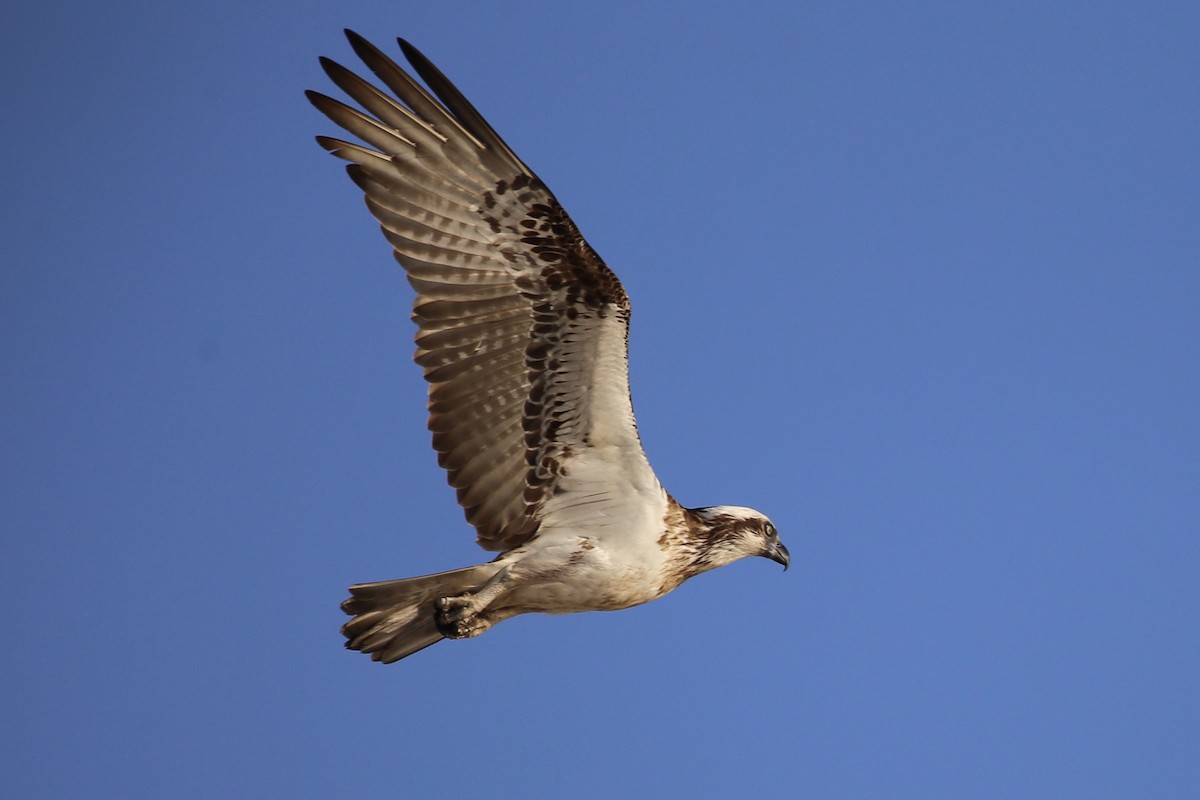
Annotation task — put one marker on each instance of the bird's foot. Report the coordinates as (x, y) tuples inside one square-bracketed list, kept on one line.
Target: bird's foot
[(458, 607), (459, 617)]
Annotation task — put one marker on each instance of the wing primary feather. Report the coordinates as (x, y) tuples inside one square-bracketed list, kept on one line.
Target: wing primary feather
[(399, 82), (462, 109), (408, 90), (385, 108)]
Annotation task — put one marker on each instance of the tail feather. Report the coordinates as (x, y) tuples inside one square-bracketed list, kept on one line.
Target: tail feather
[(394, 619)]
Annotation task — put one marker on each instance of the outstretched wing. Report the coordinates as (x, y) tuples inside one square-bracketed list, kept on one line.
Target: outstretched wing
[(522, 329)]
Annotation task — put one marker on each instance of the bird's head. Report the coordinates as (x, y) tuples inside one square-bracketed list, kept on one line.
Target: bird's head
[(733, 532)]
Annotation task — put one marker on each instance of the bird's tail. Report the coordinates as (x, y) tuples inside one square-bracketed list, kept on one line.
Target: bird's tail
[(394, 619)]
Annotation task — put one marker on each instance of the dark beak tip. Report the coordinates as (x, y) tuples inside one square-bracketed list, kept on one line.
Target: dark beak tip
[(780, 555)]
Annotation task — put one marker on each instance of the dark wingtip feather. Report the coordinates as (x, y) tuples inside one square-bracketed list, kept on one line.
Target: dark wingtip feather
[(329, 143), (323, 102), (329, 65), (413, 55), (362, 48)]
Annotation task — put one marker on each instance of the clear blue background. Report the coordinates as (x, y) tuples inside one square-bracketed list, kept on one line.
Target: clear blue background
[(920, 281)]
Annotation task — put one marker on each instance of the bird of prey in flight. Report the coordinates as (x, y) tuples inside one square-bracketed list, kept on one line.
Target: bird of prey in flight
[(522, 335)]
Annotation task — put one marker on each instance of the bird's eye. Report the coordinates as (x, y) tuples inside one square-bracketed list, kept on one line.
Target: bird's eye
[(770, 529)]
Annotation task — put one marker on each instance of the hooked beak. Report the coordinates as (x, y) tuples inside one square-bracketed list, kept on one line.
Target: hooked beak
[(779, 554)]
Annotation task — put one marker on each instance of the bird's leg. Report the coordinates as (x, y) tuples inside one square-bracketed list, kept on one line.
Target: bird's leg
[(461, 616)]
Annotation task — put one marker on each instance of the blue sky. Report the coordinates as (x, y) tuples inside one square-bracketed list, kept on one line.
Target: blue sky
[(917, 280)]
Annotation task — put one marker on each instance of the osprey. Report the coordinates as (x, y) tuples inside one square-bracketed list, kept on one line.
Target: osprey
[(522, 336)]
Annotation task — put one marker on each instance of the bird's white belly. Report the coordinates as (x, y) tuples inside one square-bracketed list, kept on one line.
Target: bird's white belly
[(582, 575)]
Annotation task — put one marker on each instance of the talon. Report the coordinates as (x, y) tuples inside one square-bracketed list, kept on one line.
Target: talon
[(461, 628), (455, 609)]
